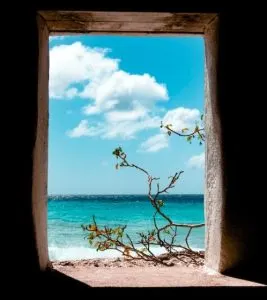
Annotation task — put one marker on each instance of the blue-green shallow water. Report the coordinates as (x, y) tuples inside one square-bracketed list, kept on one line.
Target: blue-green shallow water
[(67, 213)]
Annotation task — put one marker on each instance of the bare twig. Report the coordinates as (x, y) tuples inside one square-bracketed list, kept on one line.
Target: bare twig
[(187, 236), (112, 238), (197, 131)]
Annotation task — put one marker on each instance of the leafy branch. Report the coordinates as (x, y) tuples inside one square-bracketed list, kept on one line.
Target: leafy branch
[(198, 132), (163, 236)]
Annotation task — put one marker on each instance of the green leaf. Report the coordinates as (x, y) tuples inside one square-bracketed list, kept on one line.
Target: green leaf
[(120, 233), (91, 236), (201, 117), (160, 203), (143, 249), (184, 129), (92, 227), (117, 151)]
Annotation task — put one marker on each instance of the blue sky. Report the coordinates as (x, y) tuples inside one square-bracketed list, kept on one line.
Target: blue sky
[(109, 91)]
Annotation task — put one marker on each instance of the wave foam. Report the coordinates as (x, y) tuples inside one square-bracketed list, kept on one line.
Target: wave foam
[(76, 253)]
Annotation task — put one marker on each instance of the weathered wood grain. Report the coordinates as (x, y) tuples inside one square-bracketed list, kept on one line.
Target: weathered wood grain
[(126, 22)]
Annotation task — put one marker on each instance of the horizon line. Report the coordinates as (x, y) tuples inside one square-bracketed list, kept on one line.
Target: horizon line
[(70, 194)]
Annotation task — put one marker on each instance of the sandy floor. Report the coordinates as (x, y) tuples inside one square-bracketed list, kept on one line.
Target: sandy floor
[(118, 273)]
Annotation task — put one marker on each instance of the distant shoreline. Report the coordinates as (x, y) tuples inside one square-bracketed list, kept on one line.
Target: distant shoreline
[(66, 214), (83, 195), (121, 261)]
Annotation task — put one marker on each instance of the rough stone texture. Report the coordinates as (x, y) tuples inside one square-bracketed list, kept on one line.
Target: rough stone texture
[(234, 195), (214, 196), (40, 151), (127, 274)]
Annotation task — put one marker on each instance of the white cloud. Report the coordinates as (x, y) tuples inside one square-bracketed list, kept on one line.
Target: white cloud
[(83, 129), (122, 90), (128, 129), (56, 37), (111, 129), (124, 115), (125, 124), (70, 93), (181, 118), (155, 143), (100, 80), (77, 64), (91, 110), (125, 101), (197, 161)]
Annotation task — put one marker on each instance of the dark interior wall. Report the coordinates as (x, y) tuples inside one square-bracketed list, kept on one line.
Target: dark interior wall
[(241, 56), (240, 106), (234, 215), (25, 59)]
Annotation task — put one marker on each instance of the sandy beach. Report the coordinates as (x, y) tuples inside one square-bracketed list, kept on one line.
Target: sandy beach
[(119, 272)]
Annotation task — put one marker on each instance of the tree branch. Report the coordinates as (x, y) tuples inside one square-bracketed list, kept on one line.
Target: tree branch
[(112, 238)]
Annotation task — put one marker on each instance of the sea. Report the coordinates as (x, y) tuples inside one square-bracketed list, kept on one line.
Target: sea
[(66, 214)]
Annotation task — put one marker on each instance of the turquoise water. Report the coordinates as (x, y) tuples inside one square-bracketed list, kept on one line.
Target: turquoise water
[(67, 213)]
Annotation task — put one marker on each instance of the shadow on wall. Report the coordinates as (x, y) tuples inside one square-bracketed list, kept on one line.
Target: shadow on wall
[(50, 282), (249, 272)]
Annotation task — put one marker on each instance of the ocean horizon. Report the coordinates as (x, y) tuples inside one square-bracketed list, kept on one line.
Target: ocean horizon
[(66, 214)]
